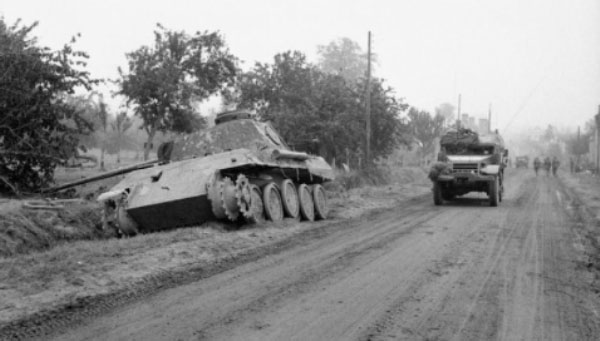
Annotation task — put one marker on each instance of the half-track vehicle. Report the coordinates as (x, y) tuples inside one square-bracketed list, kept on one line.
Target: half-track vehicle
[(469, 162), (522, 161), (238, 170)]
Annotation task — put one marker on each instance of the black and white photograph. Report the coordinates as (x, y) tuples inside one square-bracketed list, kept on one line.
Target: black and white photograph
[(300, 170)]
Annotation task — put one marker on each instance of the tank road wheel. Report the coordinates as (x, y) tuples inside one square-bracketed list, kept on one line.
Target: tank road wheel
[(494, 192), (272, 202), (257, 208), (307, 205), (291, 203), (214, 188), (243, 194), (437, 194), (320, 199), (229, 199)]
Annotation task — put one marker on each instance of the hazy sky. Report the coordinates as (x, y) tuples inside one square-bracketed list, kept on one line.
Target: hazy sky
[(537, 62)]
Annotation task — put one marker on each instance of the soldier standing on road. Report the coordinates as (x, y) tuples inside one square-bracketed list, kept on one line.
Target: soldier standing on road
[(537, 163), (571, 164), (555, 165), (547, 165)]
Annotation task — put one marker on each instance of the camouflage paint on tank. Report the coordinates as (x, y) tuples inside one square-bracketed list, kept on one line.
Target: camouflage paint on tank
[(178, 193)]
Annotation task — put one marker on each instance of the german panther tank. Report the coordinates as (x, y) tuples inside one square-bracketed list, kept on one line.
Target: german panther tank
[(239, 170)]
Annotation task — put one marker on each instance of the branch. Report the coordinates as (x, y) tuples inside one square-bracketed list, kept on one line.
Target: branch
[(10, 185), (47, 156)]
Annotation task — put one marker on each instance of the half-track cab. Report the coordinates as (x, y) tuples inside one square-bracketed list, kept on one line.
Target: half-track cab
[(469, 162)]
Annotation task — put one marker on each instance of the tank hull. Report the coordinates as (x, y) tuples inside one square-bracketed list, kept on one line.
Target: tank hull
[(170, 214)]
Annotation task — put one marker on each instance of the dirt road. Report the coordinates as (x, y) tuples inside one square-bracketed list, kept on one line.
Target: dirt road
[(462, 271)]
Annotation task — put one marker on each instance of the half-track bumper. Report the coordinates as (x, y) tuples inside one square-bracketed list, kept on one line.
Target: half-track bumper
[(465, 178)]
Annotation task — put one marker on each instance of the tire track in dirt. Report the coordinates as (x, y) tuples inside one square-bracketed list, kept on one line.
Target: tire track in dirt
[(538, 251), (344, 304), (429, 307), (521, 281), (516, 281)]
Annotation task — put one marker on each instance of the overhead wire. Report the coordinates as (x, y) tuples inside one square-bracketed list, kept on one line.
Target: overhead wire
[(531, 93)]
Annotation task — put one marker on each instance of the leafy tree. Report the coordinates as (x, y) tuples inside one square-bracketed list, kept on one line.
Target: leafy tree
[(388, 129), (93, 108), (119, 126), (320, 112), (39, 129), (344, 57), (102, 116), (166, 80), (282, 93), (578, 145), (425, 129), (85, 106), (549, 134)]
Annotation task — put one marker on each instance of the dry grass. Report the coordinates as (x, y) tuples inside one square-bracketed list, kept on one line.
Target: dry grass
[(378, 175), (23, 230), (587, 187)]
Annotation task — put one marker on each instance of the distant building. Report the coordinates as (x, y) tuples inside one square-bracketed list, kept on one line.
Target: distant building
[(464, 120), (483, 126), (480, 125)]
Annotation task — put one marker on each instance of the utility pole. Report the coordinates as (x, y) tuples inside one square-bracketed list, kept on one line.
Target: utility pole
[(579, 149), (597, 117), (368, 103), (490, 118), (458, 118)]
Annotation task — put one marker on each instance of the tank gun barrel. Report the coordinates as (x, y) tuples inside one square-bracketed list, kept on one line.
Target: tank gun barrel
[(288, 154), (105, 175)]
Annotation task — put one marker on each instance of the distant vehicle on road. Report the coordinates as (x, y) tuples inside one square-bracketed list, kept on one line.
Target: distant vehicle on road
[(469, 162), (522, 161)]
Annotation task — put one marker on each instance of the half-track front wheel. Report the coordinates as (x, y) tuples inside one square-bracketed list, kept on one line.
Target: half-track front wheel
[(257, 207), (291, 202), (272, 202), (307, 205), (501, 190), (494, 192), (438, 198), (320, 199)]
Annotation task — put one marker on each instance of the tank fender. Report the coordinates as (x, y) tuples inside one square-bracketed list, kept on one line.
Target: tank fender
[(490, 169)]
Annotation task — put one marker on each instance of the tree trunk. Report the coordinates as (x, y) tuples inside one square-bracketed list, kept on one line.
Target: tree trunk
[(119, 148), (102, 158), (148, 146)]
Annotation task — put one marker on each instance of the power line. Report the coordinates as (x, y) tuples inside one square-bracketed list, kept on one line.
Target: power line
[(368, 103), (531, 93)]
